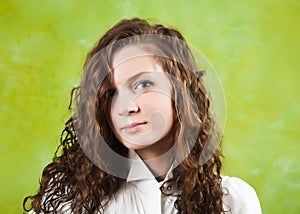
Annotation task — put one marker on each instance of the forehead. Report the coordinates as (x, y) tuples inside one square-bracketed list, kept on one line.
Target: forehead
[(131, 61)]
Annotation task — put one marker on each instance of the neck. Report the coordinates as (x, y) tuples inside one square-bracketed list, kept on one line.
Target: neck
[(158, 157)]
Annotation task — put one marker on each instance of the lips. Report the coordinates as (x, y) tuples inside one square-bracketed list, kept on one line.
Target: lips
[(132, 125)]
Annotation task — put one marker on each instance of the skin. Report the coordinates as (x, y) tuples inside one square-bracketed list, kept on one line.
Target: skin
[(141, 109)]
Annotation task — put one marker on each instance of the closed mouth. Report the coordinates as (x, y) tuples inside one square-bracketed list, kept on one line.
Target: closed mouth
[(132, 125)]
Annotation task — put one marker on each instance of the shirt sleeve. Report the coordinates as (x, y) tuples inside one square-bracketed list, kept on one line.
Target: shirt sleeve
[(239, 197)]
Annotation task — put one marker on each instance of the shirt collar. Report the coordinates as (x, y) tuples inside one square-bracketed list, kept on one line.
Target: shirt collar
[(139, 171)]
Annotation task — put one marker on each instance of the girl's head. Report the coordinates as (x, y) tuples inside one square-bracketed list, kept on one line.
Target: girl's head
[(141, 90)]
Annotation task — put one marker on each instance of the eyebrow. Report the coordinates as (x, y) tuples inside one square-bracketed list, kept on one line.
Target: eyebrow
[(136, 76)]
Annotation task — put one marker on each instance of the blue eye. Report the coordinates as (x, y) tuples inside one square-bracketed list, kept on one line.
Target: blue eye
[(143, 85)]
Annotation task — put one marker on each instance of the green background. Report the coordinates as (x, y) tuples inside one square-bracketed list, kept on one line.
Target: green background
[(253, 46)]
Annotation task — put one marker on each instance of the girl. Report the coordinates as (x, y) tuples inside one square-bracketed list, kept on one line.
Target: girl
[(141, 138)]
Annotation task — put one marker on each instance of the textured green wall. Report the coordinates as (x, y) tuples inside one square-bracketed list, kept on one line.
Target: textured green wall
[(253, 45)]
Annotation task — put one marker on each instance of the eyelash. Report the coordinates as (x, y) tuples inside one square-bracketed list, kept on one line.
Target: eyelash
[(143, 82), (113, 92)]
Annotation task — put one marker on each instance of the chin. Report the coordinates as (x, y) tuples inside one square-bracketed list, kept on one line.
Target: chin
[(135, 146)]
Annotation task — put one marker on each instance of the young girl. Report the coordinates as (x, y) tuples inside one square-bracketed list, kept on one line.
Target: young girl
[(141, 138)]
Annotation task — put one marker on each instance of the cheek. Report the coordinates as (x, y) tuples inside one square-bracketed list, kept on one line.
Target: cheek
[(156, 102), (112, 114)]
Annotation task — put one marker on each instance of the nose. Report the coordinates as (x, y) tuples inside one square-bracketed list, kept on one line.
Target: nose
[(126, 104), (126, 110)]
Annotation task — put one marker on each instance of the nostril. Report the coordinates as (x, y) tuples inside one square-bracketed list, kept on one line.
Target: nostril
[(133, 109)]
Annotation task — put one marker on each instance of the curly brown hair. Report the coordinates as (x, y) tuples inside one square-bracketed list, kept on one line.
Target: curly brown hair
[(73, 180)]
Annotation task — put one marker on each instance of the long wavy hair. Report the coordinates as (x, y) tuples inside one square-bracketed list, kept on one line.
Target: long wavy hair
[(73, 181)]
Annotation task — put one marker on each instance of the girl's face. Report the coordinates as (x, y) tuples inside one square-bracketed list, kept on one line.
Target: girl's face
[(141, 109)]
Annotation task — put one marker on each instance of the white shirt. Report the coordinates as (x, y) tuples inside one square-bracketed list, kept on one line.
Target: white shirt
[(143, 195)]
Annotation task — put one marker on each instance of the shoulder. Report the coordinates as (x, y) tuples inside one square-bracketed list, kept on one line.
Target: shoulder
[(239, 196)]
